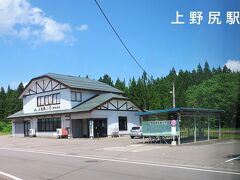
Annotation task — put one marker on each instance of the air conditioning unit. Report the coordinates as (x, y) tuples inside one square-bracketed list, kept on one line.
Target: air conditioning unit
[(62, 133), (32, 132)]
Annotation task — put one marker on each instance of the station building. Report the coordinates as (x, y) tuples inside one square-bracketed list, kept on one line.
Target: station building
[(54, 101)]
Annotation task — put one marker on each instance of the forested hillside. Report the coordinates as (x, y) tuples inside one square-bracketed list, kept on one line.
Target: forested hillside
[(203, 87)]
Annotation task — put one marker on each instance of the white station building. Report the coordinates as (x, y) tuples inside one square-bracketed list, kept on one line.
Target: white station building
[(55, 101)]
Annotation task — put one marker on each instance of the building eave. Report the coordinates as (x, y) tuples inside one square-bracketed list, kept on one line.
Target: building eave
[(108, 97), (117, 91)]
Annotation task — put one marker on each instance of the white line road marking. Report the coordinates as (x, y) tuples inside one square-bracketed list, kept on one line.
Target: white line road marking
[(156, 164), (9, 175), (233, 159), (130, 148)]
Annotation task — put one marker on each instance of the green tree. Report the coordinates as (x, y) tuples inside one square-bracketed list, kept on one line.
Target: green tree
[(199, 69), (2, 103), (219, 92), (121, 85), (20, 88), (226, 69), (9, 104), (207, 71), (133, 92), (106, 79)]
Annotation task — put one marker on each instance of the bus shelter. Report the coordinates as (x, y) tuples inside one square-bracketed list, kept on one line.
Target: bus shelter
[(183, 124)]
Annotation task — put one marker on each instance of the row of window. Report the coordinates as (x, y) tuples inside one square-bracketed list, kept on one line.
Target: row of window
[(76, 96), (53, 99), (46, 100), (49, 124)]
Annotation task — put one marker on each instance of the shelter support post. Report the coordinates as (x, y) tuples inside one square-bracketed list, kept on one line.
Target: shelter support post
[(70, 119), (208, 128), (195, 129), (219, 128), (179, 136)]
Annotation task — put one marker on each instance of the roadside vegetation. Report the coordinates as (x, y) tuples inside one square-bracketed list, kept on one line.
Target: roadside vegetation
[(216, 88), (9, 104), (226, 133), (4, 133)]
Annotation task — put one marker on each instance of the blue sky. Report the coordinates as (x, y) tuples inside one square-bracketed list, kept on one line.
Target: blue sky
[(72, 37)]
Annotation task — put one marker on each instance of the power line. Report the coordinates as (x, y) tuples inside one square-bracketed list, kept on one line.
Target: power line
[(120, 39)]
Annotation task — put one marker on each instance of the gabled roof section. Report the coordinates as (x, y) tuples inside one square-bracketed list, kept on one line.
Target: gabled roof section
[(86, 106), (75, 82), (83, 83), (97, 101)]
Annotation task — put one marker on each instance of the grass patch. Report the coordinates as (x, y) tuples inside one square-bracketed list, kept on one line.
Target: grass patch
[(226, 129), (4, 133), (231, 136), (5, 127), (226, 133)]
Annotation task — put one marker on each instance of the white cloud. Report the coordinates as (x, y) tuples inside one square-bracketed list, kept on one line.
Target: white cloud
[(234, 65), (82, 27), (25, 32), (19, 19)]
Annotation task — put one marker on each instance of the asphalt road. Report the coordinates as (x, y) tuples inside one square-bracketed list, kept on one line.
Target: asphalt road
[(115, 159)]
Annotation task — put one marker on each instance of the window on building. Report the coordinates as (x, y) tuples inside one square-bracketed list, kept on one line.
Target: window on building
[(58, 98), (54, 98), (49, 124), (122, 121), (38, 101), (48, 100), (48, 121), (42, 101), (73, 96), (76, 96)]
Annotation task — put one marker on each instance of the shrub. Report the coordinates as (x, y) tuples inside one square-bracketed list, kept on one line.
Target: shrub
[(5, 126)]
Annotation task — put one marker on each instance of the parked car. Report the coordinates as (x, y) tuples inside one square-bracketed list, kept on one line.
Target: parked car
[(136, 131)]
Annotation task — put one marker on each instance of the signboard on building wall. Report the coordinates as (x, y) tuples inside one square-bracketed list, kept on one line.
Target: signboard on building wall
[(160, 128), (47, 108)]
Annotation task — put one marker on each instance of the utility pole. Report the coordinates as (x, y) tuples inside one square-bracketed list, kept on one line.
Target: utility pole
[(174, 105), (173, 93)]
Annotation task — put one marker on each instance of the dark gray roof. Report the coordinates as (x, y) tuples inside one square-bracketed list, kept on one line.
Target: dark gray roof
[(86, 106), (180, 109), (97, 101), (83, 83)]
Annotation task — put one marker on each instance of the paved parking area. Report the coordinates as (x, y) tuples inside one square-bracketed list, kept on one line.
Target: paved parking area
[(117, 158)]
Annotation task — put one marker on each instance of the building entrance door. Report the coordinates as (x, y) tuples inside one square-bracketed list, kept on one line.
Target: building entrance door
[(77, 128), (26, 128), (99, 127)]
